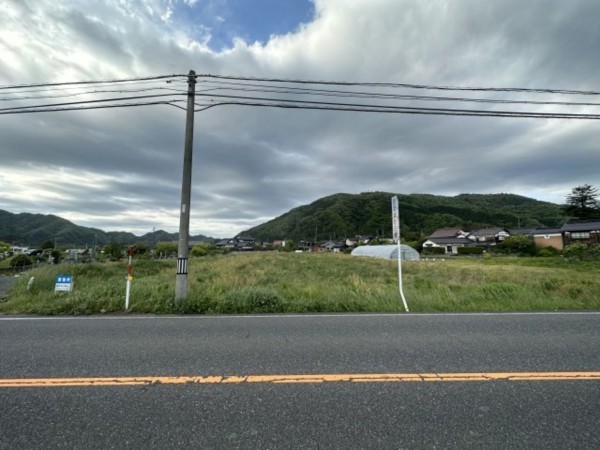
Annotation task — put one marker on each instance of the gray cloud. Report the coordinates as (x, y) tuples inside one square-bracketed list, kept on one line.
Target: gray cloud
[(121, 168)]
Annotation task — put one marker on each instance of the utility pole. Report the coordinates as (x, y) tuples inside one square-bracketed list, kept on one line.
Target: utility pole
[(186, 188)]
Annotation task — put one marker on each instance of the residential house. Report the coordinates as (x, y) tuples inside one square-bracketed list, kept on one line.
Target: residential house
[(327, 246), (489, 236), (585, 231), (333, 246), (241, 243), (548, 237), (450, 244), (351, 242), (19, 250), (521, 231), (450, 239), (449, 233), (225, 243)]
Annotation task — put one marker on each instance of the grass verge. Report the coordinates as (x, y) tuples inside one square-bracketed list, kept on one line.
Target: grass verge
[(280, 283)]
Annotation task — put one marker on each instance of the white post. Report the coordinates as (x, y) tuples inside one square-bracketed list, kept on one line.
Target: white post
[(129, 278), (396, 236)]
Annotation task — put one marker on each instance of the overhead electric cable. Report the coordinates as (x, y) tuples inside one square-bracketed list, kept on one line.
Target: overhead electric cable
[(223, 90), (381, 96), (78, 108), (97, 91), (405, 110), (75, 83), (448, 111), (399, 85), (138, 97)]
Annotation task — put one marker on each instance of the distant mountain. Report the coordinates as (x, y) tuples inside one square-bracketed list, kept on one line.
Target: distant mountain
[(34, 229), (348, 215), (332, 217)]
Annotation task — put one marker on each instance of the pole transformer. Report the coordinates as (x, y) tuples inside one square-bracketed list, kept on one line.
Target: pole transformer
[(181, 278)]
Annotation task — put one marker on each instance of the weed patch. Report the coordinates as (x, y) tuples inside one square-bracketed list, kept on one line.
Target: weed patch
[(298, 283)]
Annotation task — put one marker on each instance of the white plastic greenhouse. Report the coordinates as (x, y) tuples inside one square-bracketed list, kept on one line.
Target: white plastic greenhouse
[(387, 252)]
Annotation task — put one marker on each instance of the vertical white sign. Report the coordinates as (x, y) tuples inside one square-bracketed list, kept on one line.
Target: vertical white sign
[(396, 236), (395, 220)]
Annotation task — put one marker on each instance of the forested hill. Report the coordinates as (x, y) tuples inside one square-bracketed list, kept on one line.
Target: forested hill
[(34, 229), (342, 215), (335, 216)]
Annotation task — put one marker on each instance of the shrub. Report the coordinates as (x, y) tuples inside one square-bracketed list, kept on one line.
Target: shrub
[(20, 261), (56, 256), (166, 249), (202, 249), (548, 252), (114, 250), (517, 245), (470, 250), (434, 250), (580, 252)]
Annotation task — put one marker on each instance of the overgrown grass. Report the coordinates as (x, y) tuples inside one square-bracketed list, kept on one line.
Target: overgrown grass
[(278, 282)]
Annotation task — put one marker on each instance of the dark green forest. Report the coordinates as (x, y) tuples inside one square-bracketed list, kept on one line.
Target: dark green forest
[(34, 229), (333, 217), (347, 215)]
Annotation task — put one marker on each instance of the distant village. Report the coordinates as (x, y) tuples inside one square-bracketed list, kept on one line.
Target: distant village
[(447, 241)]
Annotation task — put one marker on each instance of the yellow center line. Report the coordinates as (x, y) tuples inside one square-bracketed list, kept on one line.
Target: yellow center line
[(310, 378)]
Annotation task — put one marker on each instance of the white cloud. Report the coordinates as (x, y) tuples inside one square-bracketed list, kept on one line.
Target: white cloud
[(254, 164)]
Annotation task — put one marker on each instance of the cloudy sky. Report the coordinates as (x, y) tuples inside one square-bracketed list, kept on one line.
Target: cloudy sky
[(120, 169)]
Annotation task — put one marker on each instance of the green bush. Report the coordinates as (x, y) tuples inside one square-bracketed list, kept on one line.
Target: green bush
[(582, 252), (547, 252), (202, 249), (470, 250), (21, 261), (517, 245), (434, 250)]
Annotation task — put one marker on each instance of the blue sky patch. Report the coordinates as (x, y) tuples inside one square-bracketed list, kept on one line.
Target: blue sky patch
[(251, 20)]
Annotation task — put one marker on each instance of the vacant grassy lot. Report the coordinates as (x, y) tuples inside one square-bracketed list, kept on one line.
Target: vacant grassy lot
[(279, 282)]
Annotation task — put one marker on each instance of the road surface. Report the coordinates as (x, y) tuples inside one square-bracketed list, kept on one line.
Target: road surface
[(312, 381)]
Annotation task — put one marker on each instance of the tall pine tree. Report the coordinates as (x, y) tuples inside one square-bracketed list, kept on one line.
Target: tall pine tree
[(582, 203)]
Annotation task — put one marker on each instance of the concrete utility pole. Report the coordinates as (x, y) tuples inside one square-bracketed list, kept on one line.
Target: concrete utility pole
[(186, 188)]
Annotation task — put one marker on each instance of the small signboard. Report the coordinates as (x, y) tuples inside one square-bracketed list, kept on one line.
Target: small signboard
[(395, 219), (64, 283)]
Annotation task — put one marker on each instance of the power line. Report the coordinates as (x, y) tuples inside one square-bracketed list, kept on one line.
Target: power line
[(80, 108), (97, 91), (382, 96), (401, 85), (77, 83), (321, 106), (225, 90), (66, 104)]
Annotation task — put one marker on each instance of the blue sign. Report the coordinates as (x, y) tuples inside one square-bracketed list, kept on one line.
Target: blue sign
[(63, 283)]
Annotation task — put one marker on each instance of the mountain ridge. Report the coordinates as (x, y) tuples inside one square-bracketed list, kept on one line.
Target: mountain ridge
[(331, 217), (369, 213), (34, 229)]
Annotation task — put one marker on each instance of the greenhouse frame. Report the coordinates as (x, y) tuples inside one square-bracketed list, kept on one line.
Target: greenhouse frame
[(387, 252)]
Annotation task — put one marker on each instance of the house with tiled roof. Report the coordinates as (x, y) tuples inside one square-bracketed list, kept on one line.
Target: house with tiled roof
[(449, 244), (489, 236), (585, 231), (548, 237), (448, 233)]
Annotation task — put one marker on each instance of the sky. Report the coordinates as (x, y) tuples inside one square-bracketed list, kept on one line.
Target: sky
[(121, 169)]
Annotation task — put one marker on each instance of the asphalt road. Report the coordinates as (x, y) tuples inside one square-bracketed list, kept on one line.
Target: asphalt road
[(458, 414)]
